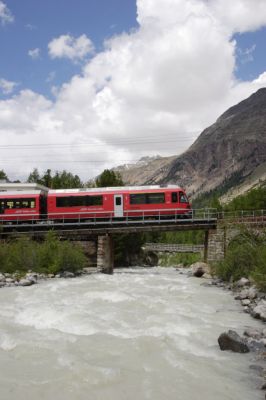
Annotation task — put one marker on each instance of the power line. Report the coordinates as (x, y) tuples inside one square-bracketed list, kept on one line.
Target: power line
[(116, 143)]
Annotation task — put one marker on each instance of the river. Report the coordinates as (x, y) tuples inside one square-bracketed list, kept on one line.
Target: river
[(138, 334)]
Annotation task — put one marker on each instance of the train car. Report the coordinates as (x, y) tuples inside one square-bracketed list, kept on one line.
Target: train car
[(119, 202), (16, 206)]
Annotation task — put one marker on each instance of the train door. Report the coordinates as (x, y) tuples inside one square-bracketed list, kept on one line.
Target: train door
[(118, 205)]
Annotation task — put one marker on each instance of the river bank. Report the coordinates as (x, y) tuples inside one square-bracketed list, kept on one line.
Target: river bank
[(253, 302)]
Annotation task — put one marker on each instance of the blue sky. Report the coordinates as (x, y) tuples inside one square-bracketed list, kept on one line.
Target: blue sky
[(92, 84), (37, 22), (251, 54)]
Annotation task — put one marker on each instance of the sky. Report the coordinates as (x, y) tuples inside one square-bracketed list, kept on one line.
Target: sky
[(87, 85)]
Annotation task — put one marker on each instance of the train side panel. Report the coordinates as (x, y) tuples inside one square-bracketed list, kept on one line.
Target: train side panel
[(20, 206)]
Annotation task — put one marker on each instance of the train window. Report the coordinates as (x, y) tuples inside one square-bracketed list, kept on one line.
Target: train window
[(63, 201), (94, 200), (137, 198), (79, 201), (147, 198), (183, 198), (155, 198), (18, 203), (174, 197)]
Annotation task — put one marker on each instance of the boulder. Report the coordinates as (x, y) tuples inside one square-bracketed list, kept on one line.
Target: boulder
[(2, 284), (25, 282), (232, 341), (245, 302), (242, 282), (242, 295), (10, 280), (68, 274), (252, 293), (259, 311), (253, 333), (32, 276), (199, 269), (2, 278)]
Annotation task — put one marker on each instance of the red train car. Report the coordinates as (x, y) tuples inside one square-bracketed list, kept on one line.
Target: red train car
[(120, 202), (22, 205)]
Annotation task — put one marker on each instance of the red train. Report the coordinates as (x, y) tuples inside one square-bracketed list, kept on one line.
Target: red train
[(91, 204)]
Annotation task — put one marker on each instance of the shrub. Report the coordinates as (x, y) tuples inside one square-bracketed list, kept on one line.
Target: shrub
[(51, 256), (245, 256)]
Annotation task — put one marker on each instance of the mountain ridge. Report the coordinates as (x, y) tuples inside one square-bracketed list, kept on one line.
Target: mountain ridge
[(228, 152)]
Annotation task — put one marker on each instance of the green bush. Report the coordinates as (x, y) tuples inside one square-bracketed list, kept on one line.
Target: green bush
[(50, 256), (245, 257), (259, 273)]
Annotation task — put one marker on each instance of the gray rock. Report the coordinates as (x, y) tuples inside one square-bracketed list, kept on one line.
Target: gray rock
[(2, 284), (232, 341), (242, 282), (31, 276), (199, 269), (245, 302), (259, 311), (2, 278), (256, 345), (25, 282), (242, 295), (253, 333), (252, 293), (68, 274), (10, 280)]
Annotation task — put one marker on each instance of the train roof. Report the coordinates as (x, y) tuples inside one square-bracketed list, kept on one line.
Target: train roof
[(19, 193), (22, 187), (115, 189)]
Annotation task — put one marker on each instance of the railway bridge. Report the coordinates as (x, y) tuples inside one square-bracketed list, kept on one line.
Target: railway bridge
[(219, 228)]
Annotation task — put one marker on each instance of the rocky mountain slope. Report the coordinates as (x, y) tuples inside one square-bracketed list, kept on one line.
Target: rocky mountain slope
[(229, 153)]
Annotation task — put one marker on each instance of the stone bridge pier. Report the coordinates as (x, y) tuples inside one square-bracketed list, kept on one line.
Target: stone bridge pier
[(105, 254)]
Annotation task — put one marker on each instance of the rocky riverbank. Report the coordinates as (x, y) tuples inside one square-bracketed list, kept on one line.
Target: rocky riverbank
[(32, 278), (253, 302)]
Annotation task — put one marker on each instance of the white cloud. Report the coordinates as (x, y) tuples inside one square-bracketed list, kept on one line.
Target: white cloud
[(246, 55), (67, 46), (148, 92), (5, 14), (34, 53), (6, 86)]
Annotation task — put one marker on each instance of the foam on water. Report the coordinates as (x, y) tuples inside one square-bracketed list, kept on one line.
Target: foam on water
[(137, 334)]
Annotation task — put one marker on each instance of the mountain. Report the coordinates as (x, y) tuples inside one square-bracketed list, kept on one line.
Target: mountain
[(229, 153)]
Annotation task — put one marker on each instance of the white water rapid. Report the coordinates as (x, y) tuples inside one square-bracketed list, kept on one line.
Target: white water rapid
[(139, 334)]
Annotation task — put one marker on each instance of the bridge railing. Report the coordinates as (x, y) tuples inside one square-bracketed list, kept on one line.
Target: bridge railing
[(244, 216), (105, 217), (171, 247)]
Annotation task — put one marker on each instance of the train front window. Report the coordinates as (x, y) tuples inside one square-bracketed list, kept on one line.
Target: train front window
[(183, 198)]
